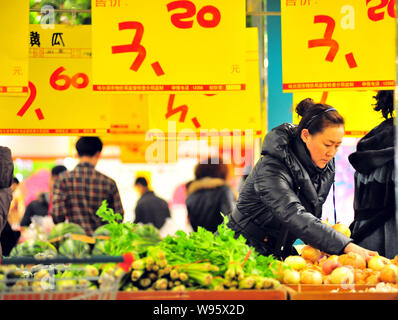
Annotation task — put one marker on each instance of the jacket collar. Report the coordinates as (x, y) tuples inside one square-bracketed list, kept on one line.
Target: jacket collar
[(205, 183), (375, 149)]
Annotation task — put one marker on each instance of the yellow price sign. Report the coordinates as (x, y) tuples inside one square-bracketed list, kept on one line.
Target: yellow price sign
[(168, 45), (356, 107), (223, 112), (338, 45), (14, 50), (60, 99)]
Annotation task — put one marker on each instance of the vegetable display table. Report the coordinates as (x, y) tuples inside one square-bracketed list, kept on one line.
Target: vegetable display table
[(340, 292), (280, 294)]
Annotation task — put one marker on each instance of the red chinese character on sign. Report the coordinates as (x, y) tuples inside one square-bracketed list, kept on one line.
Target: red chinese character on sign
[(100, 3), (291, 2), (183, 109), (170, 110), (327, 41), (136, 46), (305, 2)]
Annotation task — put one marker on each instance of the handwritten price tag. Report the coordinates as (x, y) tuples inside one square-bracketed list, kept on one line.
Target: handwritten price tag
[(338, 45), (59, 100), (184, 46), (174, 112), (14, 48)]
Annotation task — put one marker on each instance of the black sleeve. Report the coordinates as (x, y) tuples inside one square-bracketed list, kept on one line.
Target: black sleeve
[(274, 187), (26, 219)]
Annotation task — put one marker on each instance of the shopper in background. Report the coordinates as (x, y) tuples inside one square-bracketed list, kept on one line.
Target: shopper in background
[(375, 224), (209, 195), (150, 208), (78, 193), (6, 178), (41, 206), (16, 207), (281, 200)]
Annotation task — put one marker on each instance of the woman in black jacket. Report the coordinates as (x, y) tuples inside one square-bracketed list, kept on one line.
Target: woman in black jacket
[(375, 224), (282, 197), (209, 195)]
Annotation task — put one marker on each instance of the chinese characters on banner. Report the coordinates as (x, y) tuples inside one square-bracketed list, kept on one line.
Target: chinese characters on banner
[(222, 112), (338, 45), (14, 26), (60, 100), (168, 46)]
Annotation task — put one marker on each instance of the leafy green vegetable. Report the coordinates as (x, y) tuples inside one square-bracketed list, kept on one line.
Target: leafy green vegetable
[(121, 234), (223, 250)]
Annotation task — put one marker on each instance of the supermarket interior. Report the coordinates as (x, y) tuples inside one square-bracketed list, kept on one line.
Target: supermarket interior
[(209, 150)]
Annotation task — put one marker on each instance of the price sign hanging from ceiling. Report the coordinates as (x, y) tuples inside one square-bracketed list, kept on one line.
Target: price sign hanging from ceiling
[(338, 45), (168, 45)]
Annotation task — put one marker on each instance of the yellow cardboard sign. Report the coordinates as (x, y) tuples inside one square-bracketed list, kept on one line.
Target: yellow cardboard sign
[(14, 29), (356, 107), (338, 45), (219, 113), (168, 45), (61, 100)]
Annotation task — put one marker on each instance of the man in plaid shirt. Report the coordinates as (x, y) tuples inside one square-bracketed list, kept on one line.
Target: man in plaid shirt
[(78, 194)]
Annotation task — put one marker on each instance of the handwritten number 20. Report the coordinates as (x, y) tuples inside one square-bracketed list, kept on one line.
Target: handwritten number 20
[(213, 14), (376, 15)]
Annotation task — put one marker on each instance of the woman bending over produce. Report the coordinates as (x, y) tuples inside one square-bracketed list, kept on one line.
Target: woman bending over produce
[(282, 197)]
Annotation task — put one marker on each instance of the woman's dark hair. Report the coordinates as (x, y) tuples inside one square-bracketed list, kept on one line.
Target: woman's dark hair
[(214, 168), (317, 116), (384, 102)]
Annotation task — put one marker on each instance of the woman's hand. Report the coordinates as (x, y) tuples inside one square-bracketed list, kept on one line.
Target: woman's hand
[(365, 253)]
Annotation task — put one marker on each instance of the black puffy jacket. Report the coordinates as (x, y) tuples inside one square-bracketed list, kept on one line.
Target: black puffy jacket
[(375, 224), (6, 176), (206, 199), (282, 199)]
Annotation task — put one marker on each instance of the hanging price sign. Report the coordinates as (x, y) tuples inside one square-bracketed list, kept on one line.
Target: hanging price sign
[(168, 45), (222, 112), (60, 100), (338, 45), (14, 29)]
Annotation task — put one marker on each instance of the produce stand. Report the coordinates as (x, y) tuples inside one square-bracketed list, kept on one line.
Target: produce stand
[(50, 287), (281, 294)]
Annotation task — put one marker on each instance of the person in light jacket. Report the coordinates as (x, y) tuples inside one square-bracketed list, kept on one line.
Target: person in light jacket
[(281, 200)]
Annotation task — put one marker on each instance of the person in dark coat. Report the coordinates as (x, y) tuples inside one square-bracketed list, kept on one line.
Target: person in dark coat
[(41, 206), (375, 224), (6, 179), (281, 200), (150, 208), (209, 195)]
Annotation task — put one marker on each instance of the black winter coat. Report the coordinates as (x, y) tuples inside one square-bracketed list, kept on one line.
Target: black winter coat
[(206, 199), (6, 176), (375, 224), (282, 199), (151, 209)]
